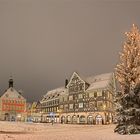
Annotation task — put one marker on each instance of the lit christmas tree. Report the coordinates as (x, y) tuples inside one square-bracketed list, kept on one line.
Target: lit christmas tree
[(128, 76)]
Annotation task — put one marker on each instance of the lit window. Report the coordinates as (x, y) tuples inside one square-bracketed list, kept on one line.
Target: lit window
[(80, 96), (70, 106), (91, 94), (99, 104), (99, 93), (80, 105)]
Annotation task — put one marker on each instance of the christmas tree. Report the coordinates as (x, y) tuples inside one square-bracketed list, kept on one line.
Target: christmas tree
[(128, 77)]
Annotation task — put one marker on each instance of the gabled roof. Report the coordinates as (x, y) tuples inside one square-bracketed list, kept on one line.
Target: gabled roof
[(97, 81), (11, 93)]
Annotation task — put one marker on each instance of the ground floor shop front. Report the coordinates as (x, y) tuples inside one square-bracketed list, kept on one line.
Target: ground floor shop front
[(78, 118), (13, 116), (87, 118)]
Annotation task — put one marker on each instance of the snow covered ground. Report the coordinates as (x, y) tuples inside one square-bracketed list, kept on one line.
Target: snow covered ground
[(34, 131)]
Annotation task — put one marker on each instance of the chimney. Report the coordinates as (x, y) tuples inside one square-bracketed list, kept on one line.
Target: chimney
[(66, 83)]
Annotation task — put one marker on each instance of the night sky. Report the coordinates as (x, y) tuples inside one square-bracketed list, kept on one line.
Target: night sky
[(42, 42)]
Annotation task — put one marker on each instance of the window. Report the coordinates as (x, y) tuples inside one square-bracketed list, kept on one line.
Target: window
[(103, 93), (80, 96), (82, 119), (54, 108), (52, 102), (70, 106), (110, 105), (110, 96), (99, 104), (61, 106), (19, 97), (99, 93), (91, 94), (76, 88), (81, 86), (65, 98), (80, 105), (61, 99), (71, 97), (95, 94)]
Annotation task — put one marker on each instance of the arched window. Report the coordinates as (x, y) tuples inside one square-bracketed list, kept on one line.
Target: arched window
[(68, 119), (82, 119), (74, 119)]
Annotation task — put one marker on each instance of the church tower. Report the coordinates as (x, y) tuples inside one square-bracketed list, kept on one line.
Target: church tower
[(11, 82)]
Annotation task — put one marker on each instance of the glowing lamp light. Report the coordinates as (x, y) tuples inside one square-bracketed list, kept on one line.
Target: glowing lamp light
[(19, 115)]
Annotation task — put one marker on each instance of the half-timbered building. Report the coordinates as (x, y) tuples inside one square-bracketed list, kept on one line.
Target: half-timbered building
[(82, 100)]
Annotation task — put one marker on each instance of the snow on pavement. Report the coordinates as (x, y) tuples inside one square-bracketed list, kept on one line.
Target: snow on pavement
[(37, 131)]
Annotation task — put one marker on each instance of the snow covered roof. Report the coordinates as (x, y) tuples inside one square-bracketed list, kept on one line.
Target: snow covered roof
[(11, 93), (99, 81), (100, 77), (57, 90), (54, 93)]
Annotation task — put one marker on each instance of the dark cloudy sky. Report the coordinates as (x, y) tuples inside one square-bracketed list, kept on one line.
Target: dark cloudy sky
[(43, 41)]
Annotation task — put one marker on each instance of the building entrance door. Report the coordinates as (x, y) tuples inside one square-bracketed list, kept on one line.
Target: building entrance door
[(63, 119), (7, 117), (99, 120), (90, 119)]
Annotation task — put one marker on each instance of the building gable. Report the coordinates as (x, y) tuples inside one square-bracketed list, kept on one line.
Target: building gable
[(11, 93), (76, 83)]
